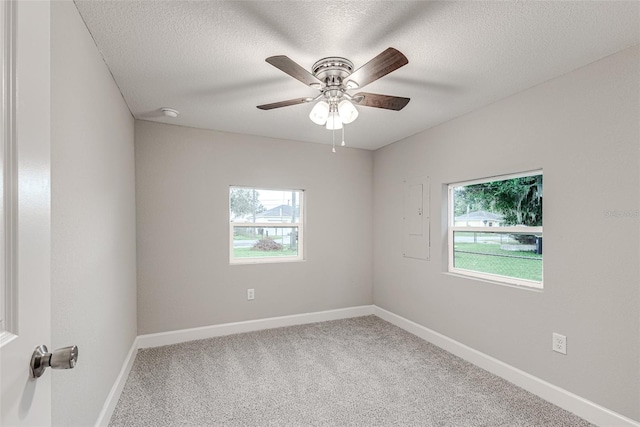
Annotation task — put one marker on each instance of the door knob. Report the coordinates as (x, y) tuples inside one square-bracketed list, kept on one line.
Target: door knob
[(62, 358)]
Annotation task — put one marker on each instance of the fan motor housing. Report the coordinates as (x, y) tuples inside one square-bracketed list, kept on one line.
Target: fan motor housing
[(333, 69)]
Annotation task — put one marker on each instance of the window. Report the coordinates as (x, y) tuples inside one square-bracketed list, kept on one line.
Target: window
[(495, 229), (265, 225)]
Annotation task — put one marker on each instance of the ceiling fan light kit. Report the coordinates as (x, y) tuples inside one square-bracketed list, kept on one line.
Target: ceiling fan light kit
[(333, 121), (348, 111), (333, 77), (319, 113)]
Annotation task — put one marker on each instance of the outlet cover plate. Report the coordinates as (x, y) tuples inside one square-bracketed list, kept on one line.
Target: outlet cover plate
[(251, 294), (559, 343)]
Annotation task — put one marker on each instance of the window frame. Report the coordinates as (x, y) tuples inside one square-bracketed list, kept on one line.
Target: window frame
[(269, 259), (519, 229)]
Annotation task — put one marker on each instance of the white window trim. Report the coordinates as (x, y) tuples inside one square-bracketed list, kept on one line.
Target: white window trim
[(451, 228), (496, 178), (270, 259)]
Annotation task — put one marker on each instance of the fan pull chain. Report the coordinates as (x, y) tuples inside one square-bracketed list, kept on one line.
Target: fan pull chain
[(333, 132), (343, 143)]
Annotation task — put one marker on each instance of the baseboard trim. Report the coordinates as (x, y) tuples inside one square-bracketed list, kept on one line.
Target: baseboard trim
[(584, 408), (114, 395), (183, 335)]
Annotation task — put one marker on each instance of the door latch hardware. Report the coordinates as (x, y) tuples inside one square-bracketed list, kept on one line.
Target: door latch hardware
[(62, 358)]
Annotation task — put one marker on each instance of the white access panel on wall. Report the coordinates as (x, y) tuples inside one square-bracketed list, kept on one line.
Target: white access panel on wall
[(415, 225)]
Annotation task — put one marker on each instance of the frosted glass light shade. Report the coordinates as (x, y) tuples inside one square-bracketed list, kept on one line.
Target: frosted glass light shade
[(319, 113), (348, 111), (333, 121)]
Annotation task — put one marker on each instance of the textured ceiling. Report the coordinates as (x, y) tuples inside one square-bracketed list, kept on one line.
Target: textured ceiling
[(207, 58)]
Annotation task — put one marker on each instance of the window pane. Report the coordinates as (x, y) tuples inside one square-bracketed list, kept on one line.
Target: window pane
[(261, 242), (511, 255), (506, 202), (252, 205)]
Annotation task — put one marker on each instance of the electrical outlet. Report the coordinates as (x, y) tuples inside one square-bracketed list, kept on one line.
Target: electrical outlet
[(251, 294), (559, 343)]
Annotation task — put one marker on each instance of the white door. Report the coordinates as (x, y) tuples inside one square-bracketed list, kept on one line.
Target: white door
[(26, 401)]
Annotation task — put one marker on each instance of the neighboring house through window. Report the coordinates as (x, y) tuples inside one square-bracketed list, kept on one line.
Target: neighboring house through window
[(265, 225)]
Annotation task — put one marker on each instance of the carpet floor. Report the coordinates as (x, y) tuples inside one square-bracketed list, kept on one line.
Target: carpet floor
[(354, 372)]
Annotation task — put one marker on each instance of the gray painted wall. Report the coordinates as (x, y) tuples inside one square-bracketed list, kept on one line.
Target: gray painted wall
[(583, 130), (93, 220), (182, 184)]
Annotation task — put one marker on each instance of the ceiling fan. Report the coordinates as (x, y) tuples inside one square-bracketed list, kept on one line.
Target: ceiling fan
[(334, 77)]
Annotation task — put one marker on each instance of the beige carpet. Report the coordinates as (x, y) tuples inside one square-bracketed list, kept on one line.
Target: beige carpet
[(354, 372)]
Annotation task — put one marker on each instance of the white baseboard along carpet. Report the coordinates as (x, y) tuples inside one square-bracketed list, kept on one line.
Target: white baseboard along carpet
[(360, 371)]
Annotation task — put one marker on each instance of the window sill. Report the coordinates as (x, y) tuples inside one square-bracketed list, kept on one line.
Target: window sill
[(535, 287), (254, 261)]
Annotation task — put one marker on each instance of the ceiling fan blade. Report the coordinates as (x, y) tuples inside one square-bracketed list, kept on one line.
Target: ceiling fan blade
[(387, 102), (285, 64), (284, 103), (388, 61)]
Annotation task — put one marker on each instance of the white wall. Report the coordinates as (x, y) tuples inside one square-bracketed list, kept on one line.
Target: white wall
[(93, 220), (182, 185), (583, 130)]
